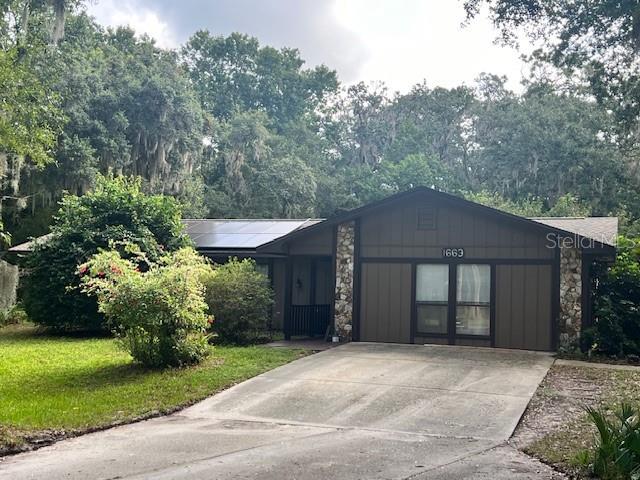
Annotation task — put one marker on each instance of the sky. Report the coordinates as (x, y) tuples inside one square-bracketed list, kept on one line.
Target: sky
[(399, 42)]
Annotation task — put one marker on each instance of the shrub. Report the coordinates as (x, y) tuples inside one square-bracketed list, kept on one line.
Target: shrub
[(116, 210), (159, 316), (616, 329), (13, 316), (617, 451), (240, 297)]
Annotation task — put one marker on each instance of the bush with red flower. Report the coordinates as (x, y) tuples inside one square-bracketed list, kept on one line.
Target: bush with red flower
[(159, 315)]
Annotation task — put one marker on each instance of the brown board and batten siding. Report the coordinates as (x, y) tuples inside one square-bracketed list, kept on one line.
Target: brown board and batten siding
[(386, 302), (393, 232), (316, 243), (392, 243), (523, 301)]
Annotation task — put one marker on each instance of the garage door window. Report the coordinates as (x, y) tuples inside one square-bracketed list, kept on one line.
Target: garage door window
[(432, 287), (473, 300)]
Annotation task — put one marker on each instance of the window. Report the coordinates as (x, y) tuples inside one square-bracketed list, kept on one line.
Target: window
[(432, 294), (473, 300)]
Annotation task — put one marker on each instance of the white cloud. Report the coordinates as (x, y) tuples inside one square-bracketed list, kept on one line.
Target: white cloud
[(143, 20), (401, 42), (415, 40)]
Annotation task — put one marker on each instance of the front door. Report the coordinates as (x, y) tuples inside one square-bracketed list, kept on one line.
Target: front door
[(453, 300)]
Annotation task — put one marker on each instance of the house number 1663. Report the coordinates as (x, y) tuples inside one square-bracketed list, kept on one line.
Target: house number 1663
[(453, 252)]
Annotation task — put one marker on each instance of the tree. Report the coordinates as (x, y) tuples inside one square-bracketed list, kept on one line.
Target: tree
[(435, 122), (282, 187), (130, 110), (29, 114), (24, 23), (545, 144), (116, 211), (595, 43), (234, 74)]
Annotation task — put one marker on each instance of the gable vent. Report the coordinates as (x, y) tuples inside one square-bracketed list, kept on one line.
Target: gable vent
[(426, 218)]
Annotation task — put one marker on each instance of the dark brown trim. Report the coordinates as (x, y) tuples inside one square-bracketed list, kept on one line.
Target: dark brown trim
[(451, 311), (239, 253), (334, 249), (486, 261), (461, 336), (492, 306), (414, 306), (586, 294), (355, 297), (288, 278), (555, 300)]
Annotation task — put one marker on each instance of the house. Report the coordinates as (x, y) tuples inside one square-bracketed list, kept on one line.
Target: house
[(424, 266)]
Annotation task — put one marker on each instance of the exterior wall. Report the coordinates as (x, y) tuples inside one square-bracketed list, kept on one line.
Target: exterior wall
[(386, 302), (343, 298), (523, 310), (528, 290), (317, 243), (392, 232), (522, 262), (570, 297)]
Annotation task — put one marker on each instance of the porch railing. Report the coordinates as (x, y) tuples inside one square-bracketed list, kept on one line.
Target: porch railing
[(308, 320)]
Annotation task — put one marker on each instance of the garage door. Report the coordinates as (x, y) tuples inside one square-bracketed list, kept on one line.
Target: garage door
[(385, 308), (523, 307)]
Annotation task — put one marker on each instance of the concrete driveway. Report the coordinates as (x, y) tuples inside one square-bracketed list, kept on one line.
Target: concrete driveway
[(364, 411)]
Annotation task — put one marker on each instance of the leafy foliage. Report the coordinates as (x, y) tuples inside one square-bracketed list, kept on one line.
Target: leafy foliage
[(234, 128), (240, 297), (234, 74), (616, 329), (14, 316), (159, 315), (31, 118), (115, 211), (617, 451), (594, 45)]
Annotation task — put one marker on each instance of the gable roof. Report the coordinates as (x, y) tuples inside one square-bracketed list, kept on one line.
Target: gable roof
[(602, 229), (261, 234), (535, 224)]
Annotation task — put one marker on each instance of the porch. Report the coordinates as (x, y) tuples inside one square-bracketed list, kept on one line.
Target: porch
[(308, 296)]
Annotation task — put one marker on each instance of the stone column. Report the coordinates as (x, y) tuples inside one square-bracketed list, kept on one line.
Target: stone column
[(570, 297), (345, 262), (8, 285)]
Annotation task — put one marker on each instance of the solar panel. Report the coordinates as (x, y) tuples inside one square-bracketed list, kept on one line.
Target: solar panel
[(229, 234)]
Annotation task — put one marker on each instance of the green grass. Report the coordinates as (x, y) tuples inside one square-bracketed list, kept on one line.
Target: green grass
[(75, 384)]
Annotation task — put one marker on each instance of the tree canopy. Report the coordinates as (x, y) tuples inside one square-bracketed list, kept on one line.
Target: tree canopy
[(235, 128)]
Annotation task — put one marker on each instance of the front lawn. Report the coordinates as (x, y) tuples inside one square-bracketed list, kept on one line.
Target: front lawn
[(555, 427), (51, 386)]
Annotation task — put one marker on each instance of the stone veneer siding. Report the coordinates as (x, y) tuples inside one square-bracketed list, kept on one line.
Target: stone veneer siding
[(345, 261), (570, 297)]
